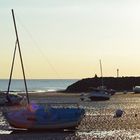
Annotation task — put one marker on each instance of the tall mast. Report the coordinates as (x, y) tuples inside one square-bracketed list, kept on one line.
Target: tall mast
[(101, 74), (17, 38), (117, 73), (11, 72)]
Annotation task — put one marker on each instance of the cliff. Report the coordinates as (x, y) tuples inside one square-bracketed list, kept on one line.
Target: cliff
[(116, 83)]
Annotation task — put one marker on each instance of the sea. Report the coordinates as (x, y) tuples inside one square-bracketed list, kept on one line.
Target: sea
[(36, 85)]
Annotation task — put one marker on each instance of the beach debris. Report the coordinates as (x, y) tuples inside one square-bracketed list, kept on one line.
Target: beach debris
[(118, 113)]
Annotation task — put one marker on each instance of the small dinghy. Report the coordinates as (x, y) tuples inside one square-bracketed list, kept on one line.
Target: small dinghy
[(45, 118), (40, 117)]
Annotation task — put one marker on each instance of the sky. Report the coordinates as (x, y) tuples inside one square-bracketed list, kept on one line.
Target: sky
[(65, 39)]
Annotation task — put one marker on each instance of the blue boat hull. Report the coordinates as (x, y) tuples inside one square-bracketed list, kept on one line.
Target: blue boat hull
[(50, 119)]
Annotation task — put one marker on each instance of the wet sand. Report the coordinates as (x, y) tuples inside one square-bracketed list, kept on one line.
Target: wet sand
[(99, 122)]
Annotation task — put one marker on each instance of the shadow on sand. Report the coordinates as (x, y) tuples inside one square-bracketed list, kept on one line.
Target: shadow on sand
[(39, 134)]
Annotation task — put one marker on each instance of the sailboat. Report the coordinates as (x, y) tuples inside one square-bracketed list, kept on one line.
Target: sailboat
[(40, 117), (10, 98), (100, 93)]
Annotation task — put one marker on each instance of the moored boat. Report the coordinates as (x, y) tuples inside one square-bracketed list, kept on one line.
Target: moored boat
[(99, 95), (136, 89), (40, 117)]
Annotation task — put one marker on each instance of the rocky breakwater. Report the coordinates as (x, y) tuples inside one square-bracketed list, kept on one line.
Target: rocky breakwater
[(116, 83)]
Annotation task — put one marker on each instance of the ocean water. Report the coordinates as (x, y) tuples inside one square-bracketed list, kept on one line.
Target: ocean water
[(37, 85)]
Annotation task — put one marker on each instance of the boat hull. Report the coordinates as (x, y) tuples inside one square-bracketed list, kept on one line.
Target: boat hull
[(55, 119), (95, 98), (58, 126), (99, 95), (136, 89)]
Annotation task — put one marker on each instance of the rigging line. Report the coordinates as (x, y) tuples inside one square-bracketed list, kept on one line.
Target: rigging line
[(38, 48), (11, 72)]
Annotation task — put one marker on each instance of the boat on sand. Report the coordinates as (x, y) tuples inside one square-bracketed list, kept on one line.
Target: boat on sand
[(100, 93), (136, 89), (35, 116), (45, 118)]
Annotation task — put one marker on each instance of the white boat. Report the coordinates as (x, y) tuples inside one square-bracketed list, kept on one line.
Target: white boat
[(136, 89), (99, 95), (40, 117)]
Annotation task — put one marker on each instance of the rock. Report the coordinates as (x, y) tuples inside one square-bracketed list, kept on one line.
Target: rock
[(118, 113), (115, 83)]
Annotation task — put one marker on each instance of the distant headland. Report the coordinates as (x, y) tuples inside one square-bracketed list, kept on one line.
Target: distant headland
[(116, 83)]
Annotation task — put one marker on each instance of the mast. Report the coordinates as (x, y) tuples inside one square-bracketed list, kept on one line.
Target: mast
[(117, 73), (11, 72), (101, 74), (21, 60)]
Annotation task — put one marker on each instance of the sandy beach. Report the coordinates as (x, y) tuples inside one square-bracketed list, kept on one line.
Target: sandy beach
[(99, 122)]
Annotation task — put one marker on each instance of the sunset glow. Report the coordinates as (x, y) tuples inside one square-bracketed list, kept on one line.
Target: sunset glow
[(66, 38)]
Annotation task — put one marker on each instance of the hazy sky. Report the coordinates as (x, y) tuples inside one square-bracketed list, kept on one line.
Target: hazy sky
[(66, 38)]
